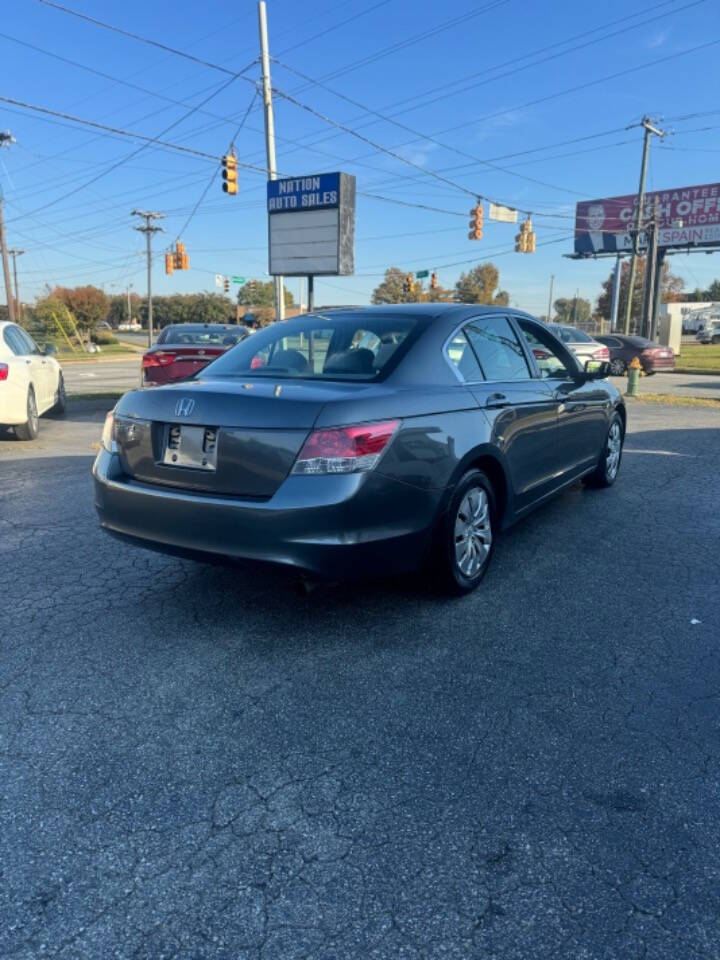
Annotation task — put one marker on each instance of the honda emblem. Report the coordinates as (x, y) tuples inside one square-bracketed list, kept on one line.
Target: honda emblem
[(184, 407)]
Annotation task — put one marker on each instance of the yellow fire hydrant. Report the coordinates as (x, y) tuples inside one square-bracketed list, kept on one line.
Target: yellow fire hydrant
[(633, 378)]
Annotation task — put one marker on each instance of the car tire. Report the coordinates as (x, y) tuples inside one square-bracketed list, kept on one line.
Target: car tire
[(606, 471), (30, 429), (617, 367), (60, 398), (465, 538)]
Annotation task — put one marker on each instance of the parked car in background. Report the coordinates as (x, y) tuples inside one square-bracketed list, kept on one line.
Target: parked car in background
[(31, 382), (623, 350), (710, 334), (581, 343), (361, 442), (132, 327), (183, 349)]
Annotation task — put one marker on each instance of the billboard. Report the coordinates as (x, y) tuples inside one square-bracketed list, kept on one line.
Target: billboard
[(311, 225), (687, 217)]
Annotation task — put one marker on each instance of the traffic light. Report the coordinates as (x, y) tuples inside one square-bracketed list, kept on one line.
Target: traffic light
[(169, 263), (229, 163), (433, 281), (409, 284), (226, 284), (525, 240), (476, 222)]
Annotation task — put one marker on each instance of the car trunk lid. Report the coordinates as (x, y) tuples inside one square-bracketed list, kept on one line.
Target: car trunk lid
[(224, 437)]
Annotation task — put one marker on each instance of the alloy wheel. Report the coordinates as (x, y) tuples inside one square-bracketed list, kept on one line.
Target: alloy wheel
[(473, 532), (613, 451)]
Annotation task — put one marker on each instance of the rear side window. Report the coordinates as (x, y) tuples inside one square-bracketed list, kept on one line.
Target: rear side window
[(461, 356), (498, 349), (15, 342)]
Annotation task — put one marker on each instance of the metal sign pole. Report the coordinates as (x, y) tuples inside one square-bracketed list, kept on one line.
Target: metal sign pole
[(311, 293)]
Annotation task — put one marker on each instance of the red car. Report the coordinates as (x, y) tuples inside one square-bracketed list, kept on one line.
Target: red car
[(623, 350), (182, 349)]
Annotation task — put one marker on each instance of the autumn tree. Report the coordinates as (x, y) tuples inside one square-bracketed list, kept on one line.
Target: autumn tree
[(479, 285), (88, 305), (189, 308), (671, 287)]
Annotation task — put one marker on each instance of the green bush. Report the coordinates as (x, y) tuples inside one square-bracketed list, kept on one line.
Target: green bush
[(103, 338)]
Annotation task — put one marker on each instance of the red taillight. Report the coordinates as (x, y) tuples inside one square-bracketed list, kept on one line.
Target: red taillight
[(541, 354), (654, 352), (4, 371), (256, 362), (345, 449), (602, 354), (157, 359)]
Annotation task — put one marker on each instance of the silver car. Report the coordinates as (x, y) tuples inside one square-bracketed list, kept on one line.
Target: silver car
[(710, 334), (581, 344)]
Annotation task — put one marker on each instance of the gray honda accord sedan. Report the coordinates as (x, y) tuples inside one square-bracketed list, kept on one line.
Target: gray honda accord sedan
[(361, 441)]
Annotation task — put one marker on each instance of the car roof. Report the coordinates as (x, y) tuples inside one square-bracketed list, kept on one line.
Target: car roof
[(203, 326), (450, 312)]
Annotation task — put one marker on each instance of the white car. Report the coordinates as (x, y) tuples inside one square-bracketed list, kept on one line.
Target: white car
[(31, 382)]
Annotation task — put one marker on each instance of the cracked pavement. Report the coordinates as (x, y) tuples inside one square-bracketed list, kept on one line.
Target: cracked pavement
[(198, 764)]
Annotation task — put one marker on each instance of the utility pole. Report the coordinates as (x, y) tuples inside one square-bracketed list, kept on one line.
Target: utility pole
[(552, 283), (574, 313), (650, 266), (129, 315), (5, 140), (615, 302), (18, 307), (148, 229), (649, 129), (269, 135)]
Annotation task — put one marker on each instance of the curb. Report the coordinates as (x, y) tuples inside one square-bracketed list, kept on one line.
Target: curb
[(700, 373)]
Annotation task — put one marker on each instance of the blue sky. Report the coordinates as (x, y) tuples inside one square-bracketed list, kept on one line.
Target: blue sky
[(487, 81)]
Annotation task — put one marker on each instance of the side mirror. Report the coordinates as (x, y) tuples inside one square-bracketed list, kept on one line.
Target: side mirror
[(49, 349), (597, 369)]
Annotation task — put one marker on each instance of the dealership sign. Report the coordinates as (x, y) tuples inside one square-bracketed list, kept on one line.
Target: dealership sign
[(687, 217), (311, 225)]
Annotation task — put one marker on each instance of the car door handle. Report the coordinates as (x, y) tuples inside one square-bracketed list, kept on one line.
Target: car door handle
[(497, 400)]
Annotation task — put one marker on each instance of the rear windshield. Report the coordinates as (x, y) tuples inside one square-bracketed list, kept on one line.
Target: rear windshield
[(573, 335), (202, 334), (348, 346), (638, 341)]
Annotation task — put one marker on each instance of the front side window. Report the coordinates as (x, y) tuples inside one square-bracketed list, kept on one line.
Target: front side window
[(550, 361), (497, 348), (343, 346), (29, 344)]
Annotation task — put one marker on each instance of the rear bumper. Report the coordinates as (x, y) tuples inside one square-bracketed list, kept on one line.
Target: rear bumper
[(337, 527), (659, 364)]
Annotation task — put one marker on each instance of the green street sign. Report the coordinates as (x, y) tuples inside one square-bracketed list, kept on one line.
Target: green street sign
[(241, 280), (421, 274)]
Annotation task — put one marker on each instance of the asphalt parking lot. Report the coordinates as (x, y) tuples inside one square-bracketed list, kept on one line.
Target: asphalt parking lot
[(199, 764)]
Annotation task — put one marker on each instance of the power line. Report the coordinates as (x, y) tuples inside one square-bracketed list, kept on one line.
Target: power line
[(215, 171), (136, 36), (423, 96), (429, 138)]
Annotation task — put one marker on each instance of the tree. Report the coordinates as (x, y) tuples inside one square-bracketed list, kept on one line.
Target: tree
[(575, 310), (262, 294), (118, 309), (479, 284), (713, 291), (392, 289), (89, 305), (189, 308), (670, 289)]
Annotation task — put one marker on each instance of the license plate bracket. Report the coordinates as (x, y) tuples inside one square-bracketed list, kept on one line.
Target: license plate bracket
[(194, 448)]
